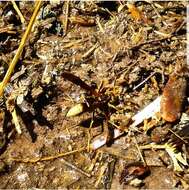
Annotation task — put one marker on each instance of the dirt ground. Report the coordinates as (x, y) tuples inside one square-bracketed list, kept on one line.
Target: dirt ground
[(87, 68)]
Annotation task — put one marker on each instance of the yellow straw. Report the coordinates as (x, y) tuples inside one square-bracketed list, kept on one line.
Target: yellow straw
[(20, 48)]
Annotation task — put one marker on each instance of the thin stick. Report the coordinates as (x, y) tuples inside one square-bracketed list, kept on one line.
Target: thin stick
[(8, 29), (34, 160), (89, 135), (99, 25), (181, 25), (76, 168), (178, 136), (16, 122), (66, 17), (145, 80), (90, 51), (152, 146), (20, 48), (22, 19), (139, 151)]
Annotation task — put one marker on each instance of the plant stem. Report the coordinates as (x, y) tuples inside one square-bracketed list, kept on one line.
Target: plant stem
[(20, 48)]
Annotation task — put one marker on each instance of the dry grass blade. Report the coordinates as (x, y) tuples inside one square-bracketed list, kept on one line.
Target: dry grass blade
[(8, 29), (16, 122), (34, 160), (20, 48), (66, 19), (76, 168), (139, 151), (89, 136), (22, 19), (90, 51), (99, 25)]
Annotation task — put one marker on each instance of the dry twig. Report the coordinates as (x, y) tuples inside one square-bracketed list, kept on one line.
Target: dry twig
[(47, 158), (34, 160), (66, 18)]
